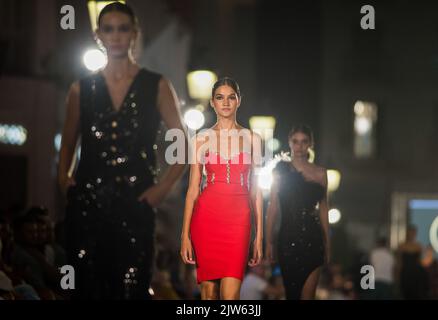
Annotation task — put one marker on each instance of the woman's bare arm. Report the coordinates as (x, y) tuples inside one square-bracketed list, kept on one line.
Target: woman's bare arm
[(168, 105), (70, 134), (256, 197), (191, 197)]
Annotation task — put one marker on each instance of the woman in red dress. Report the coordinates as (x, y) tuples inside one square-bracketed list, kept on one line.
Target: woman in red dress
[(216, 228)]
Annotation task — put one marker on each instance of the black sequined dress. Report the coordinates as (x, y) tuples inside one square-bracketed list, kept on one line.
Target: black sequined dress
[(300, 245), (109, 233)]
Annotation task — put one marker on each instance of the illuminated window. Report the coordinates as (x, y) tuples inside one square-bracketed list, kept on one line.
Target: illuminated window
[(365, 129), (12, 134)]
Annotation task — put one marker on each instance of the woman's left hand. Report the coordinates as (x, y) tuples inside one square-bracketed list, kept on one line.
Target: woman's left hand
[(154, 195), (257, 253)]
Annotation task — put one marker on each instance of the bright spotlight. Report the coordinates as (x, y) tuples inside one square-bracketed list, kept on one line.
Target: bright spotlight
[(362, 125), (94, 59), (264, 178), (13, 134), (263, 125), (194, 119), (334, 216), (333, 179), (273, 144), (200, 83)]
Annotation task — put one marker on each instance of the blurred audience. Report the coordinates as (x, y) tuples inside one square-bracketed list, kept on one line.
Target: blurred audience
[(340, 286), (256, 287), (46, 242), (383, 261), (412, 276), (12, 284), (30, 259), (276, 282)]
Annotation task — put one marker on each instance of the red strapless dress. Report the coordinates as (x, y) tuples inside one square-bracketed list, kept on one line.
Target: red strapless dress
[(221, 222)]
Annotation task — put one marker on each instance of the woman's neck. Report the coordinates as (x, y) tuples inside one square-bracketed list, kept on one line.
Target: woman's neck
[(300, 161), (226, 124), (120, 68)]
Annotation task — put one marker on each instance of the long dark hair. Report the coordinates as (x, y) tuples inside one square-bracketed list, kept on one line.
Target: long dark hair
[(226, 81)]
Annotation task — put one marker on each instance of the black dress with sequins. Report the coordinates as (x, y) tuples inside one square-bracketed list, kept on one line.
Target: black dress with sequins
[(110, 234), (300, 245)]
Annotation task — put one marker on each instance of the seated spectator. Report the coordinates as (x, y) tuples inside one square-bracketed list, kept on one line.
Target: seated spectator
[(30, 262), (46, 242), (12, 286)]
